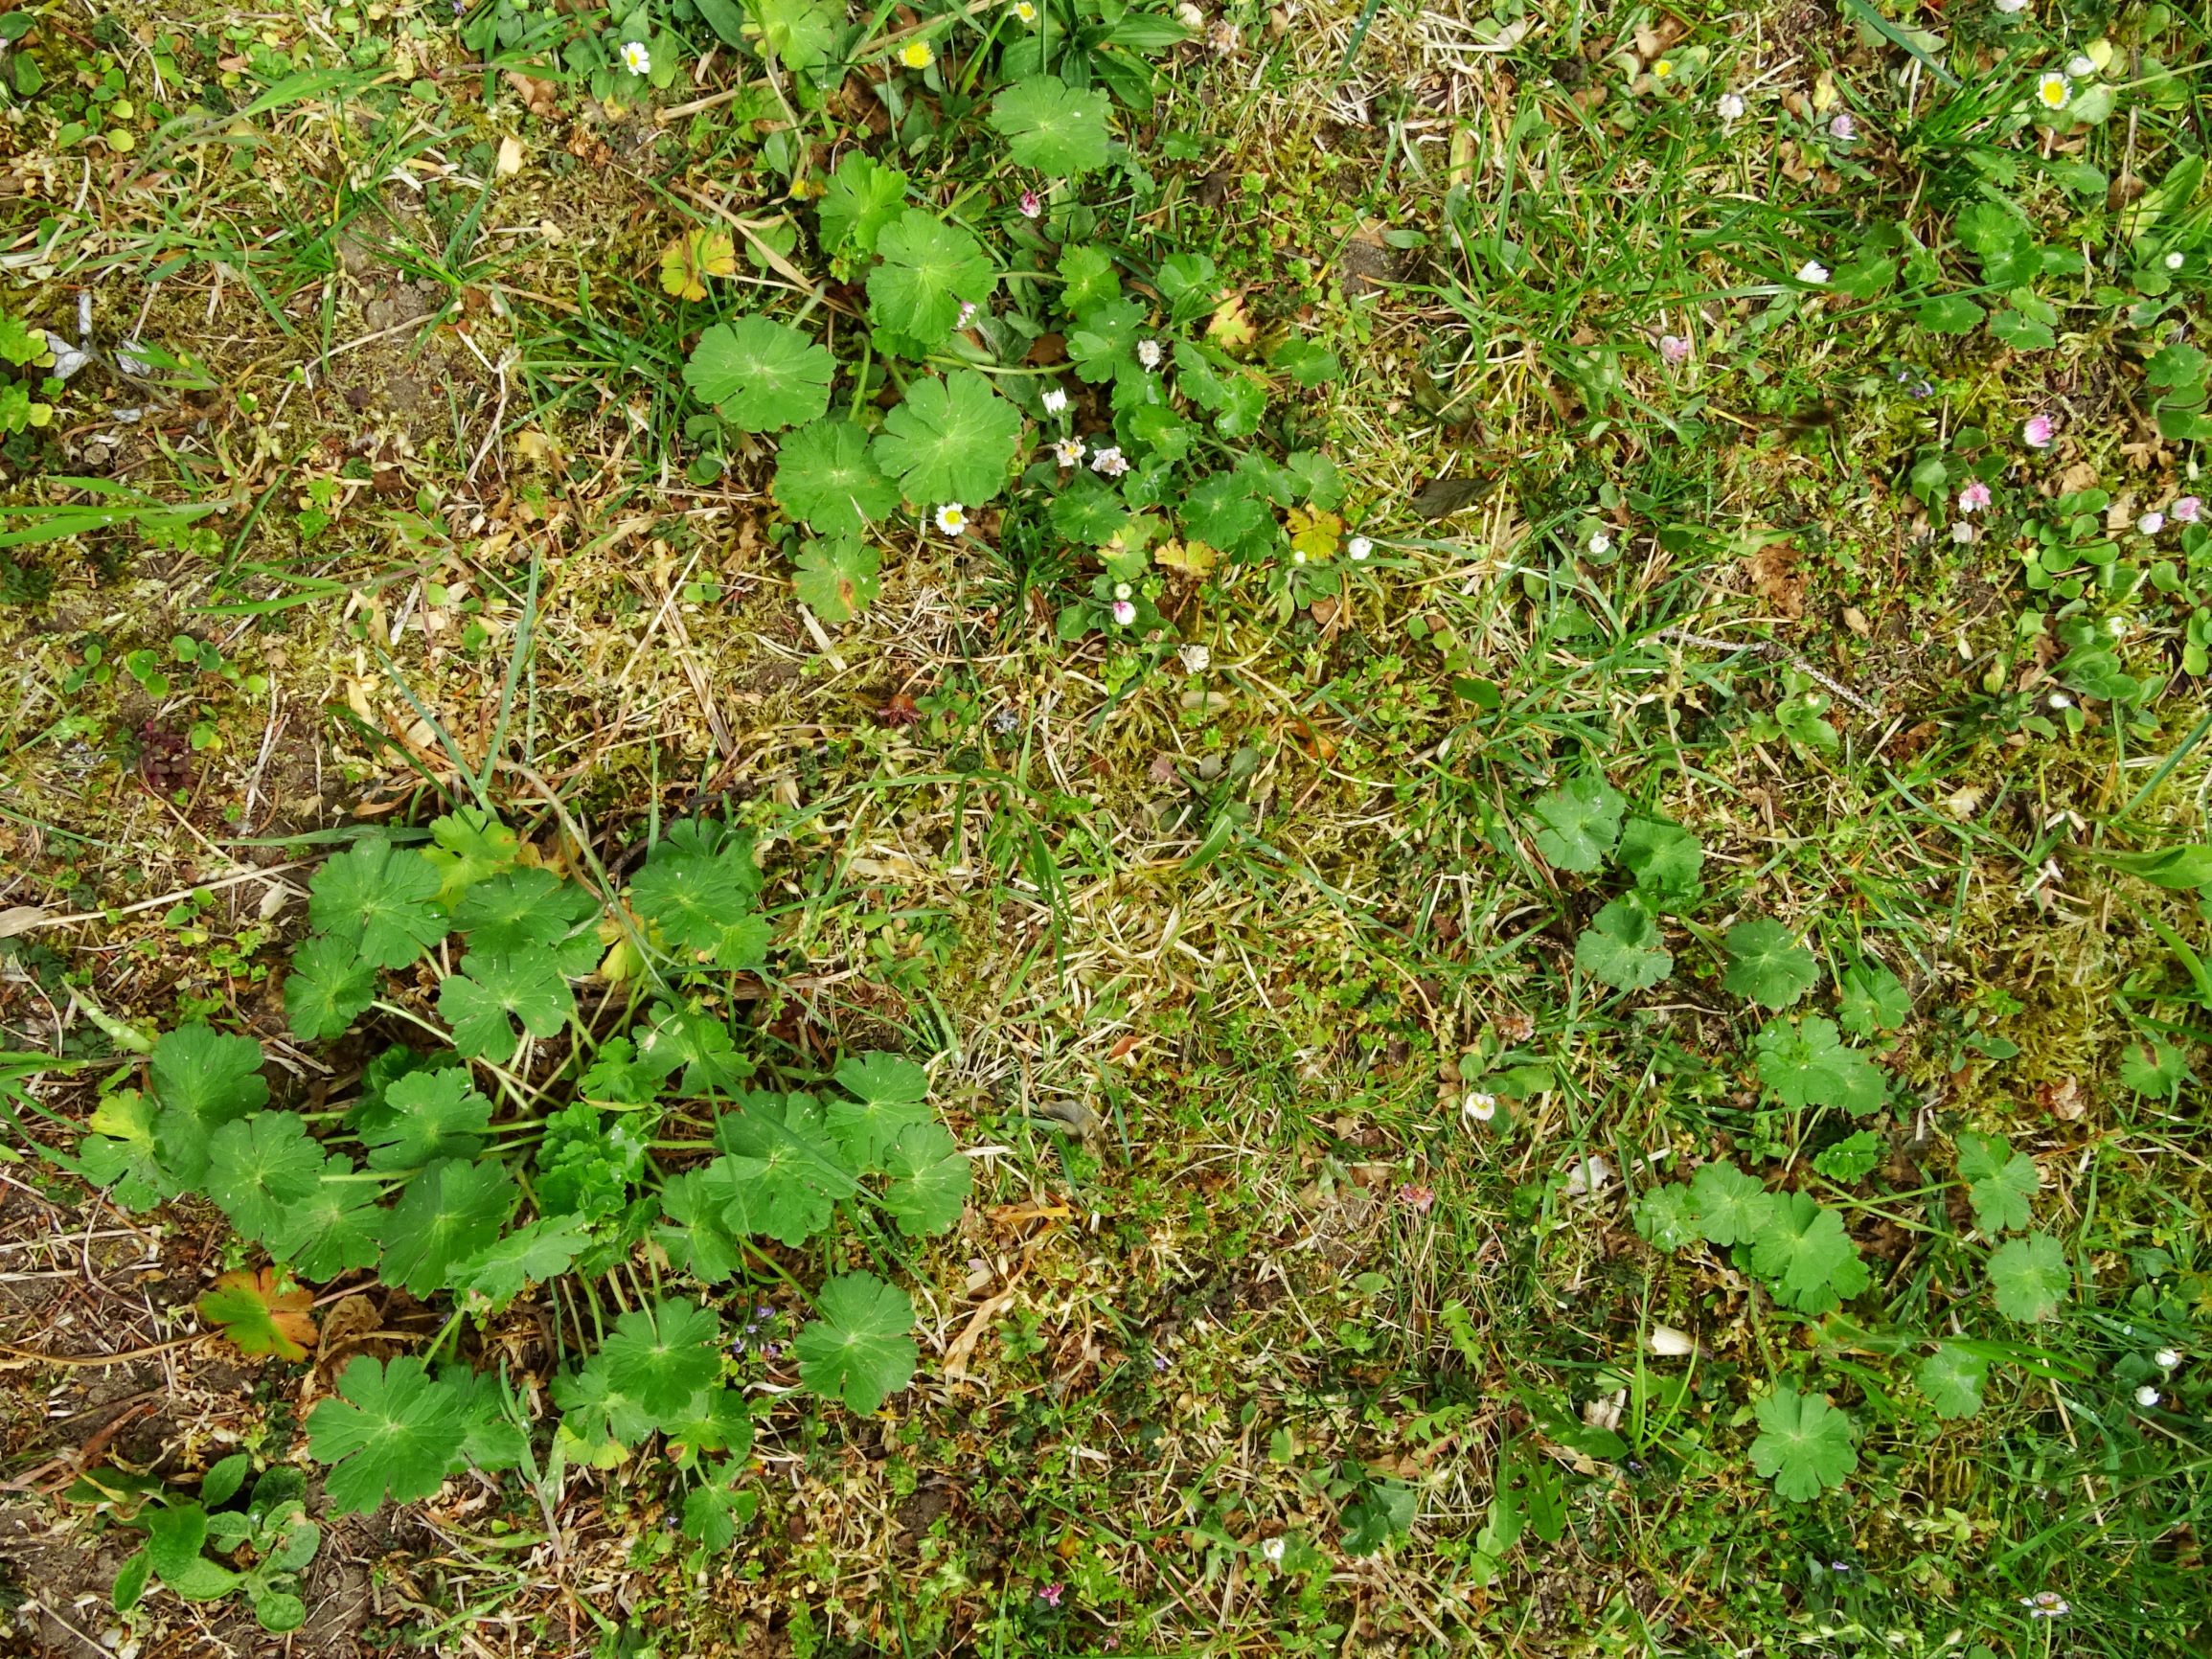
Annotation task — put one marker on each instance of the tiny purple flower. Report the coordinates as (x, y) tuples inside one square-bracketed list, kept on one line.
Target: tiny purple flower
[(1125, 613), (1842, 127), (1673, 347), (2038, 431), (1974, 497), (1051, 1594), (1031, 204), (2186, 510)]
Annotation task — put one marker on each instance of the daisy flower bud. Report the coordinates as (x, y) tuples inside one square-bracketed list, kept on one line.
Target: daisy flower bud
[(1601, 543), (1067, 451), (1031, 204), (2151, 523), (2167, 1358), (1974, 497), (2038, 432), (2010, 7), (2080, 68), (918, 54), (1812, 271), (2053, 89), (2146, 1397), (1054, 400), (2175, 260), (1271, 1549), (1123, 590), (1297, 556), (2186, 510), (1358, 547), (1730, 106), (953, 519), (636, 58), (1148, 353), (1125, 613)]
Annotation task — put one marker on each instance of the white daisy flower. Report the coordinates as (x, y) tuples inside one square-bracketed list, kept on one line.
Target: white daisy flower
[(1358, 547), (1109, 462), (2167, 1358), (2053, 89), (1054, 400), (1148, 353), (953, 519), (1730, 107), (1067, 451), (1479, 1106), (636, 58), (1812, 271)]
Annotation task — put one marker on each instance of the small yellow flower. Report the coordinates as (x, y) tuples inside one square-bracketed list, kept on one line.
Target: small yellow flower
[(1025, 11), (1662, 69), (916, 55), (2053, 90)]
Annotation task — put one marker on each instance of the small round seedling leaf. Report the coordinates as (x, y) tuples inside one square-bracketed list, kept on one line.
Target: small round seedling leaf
[(1578, 822), (858, 1350), (761, 374)]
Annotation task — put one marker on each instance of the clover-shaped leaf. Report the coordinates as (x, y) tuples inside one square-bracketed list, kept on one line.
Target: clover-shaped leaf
[(490, 992), (1580, 820), (393, 1431), (2000, 1183), (858, 1350), (1807, 1063), (328, 987), (661, 1355), (930, 270), (2030, 1277), (448, 1213), (1804, 1445), (952, 440), (1051, 127), (930, 1180), (382, 895), (262, 1313), (259, 1167), (1622, 947), (826, 476), (762, 375), (1768, 965)]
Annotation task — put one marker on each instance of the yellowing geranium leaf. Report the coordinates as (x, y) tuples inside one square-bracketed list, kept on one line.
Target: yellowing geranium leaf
[(1191, 557), (1315, 534), (1231, 328), (687, 262)]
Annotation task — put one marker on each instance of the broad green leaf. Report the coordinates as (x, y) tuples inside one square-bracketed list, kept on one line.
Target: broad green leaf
[(702, 901), (930, 270), (469, 846), (1732, 1207), (1088, 279), (802, 34), (717, 1420), (714, 1512), (203, 1080), (2030, 1277), (530, 910), (490, 992), (826, 476), (890, 1095), (333, 1229), (259, 1167), (391, 1431), (662, 1355), (130, 1582), (859, 199), (1850, 1160), (174, 1537), (785, 1172), (1950, 1380), (328, 987), (279, 1612), (1102, 343), (1051, 127), (1667, 861), (1666, 1217), (702, 1243), (838, 577), (260, 1312), (1227, 510), (1578, 823), (1768, 965), (384, 897), (2022, 333), (930, 1180), (698, 1043), (120, 1152), (597, 1413), (529, 1255), (1872, 999), (857, 1350), (2000, 1183), (761, 374), (1950, 314), (1807, 1063), (1622, 947), (952, 440), (2153, 1068), (1804, 1249), (429, 1115), (448, 1213), (2179, 867), (1804, 1445)]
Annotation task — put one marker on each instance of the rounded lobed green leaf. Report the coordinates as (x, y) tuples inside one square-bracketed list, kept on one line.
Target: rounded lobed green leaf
[(858, 1350), (826, 476), (1051, 126), (930, 270), (761, 374), (952, 440)]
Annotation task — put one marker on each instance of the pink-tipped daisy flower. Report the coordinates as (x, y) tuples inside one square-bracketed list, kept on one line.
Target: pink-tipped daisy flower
[(2038, 432), (1974, 497)]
